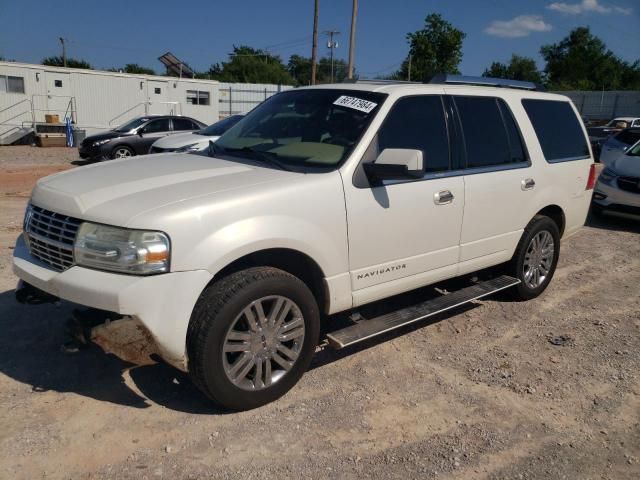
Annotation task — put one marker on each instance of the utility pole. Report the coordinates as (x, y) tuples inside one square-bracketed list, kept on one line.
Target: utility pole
[(314, 48), (331, 45), (352, 39), (64, 53)]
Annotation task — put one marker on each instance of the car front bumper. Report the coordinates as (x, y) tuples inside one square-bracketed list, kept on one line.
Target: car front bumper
[(162, 303), (610, 196), (90, 152)]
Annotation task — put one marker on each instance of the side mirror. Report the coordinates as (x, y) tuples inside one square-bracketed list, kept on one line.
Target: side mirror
[(141, 131), (396, 164)]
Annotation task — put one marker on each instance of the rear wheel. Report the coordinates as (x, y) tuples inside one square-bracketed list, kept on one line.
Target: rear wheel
[(252, 336), (536, 257)]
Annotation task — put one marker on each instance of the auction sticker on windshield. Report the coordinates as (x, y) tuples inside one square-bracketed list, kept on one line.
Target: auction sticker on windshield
[(355, 103)]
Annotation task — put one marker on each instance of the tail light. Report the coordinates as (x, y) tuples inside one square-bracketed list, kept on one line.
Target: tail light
[(591, 182)]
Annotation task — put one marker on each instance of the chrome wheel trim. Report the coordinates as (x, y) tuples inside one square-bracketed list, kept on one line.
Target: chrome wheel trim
[(259, 348), (538, 259), (122, 153)]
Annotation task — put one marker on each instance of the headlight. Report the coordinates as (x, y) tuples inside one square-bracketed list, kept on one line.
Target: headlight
[(122, 250), (100, 142), (193, 147), (607, 175)]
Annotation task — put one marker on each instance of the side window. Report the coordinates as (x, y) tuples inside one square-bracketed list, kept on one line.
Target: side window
[(183, 124), (418, 123), (557, 128), (487, 136), (516, 145), (160, 125)]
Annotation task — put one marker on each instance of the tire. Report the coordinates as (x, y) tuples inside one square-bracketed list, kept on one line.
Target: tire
[(597, 210), (222, 345), (541, 229), (121, 151)]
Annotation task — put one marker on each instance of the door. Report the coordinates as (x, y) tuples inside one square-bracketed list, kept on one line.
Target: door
[(157, 98), (58, 95), (405, 234), (151, 132), (499, 182)]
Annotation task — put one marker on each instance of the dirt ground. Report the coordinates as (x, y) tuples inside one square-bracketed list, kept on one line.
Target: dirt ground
[(481, 393)]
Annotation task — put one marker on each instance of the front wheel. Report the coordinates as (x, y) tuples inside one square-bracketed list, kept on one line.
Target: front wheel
[(122, 152), (536, 257), (252, 336)]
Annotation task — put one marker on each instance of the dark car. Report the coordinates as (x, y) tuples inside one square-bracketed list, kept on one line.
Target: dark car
[(135, 137)]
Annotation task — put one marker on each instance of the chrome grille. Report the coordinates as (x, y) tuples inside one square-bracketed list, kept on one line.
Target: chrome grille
[(630, 184), (51, 236)]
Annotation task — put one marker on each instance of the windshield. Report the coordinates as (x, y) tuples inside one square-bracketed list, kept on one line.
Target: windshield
[(218, 128), (135, 123), (306, 127)]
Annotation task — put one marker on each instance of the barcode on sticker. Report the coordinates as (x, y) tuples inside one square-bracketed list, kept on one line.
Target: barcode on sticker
[(355, 103)]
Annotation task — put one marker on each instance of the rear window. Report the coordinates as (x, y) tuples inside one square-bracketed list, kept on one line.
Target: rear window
[(628, 137), (558, 130)]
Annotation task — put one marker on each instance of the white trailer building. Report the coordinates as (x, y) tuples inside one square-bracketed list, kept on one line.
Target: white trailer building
[(95, 100)]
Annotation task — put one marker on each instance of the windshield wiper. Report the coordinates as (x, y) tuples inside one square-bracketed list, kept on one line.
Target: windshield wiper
[(261, 156)]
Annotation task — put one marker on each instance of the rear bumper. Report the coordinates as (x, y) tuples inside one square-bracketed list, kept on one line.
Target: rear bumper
[(163, 303)]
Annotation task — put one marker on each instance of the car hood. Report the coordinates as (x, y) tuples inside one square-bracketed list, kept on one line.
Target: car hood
[(104, 136), (626, 166), (117, 191), (179, 140)]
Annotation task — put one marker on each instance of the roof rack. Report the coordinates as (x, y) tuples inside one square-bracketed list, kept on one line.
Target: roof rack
[(444, 78), (381, 81)]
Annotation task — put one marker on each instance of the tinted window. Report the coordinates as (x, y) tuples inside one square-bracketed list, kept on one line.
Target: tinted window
[(418, 123), (184, 124), (160, 125), (557, 128), (485, 136), (516, 146), (628, 137)]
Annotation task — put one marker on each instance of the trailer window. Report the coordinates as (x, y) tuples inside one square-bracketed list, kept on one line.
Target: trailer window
[(197, 97), (11, 84)]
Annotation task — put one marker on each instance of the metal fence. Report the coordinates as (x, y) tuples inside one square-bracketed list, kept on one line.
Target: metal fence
[(237, 98), (603, 105)]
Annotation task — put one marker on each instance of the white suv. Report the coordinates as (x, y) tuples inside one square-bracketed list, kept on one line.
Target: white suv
[(321, 200)]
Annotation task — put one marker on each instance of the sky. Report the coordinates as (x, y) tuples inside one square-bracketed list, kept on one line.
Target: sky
[(111, 34)]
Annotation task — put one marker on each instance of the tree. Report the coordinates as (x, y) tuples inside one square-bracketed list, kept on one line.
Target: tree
[(299, 68), (250, 65), (71, 63), (437, 48), (581, 61), (518, 68), (135, 68)]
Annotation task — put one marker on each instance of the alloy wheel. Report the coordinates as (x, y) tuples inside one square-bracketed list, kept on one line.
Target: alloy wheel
[(263, 342), (538, 259)]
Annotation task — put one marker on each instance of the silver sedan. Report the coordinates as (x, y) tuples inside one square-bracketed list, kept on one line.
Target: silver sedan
[(618, 187)]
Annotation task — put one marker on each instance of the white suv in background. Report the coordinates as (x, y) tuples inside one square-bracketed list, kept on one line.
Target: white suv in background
[(321, 200)]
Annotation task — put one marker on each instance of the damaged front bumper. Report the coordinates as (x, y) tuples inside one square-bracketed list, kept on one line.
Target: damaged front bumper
[(162, 303)]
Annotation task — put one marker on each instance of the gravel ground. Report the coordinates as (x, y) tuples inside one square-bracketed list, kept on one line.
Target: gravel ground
[(482, 392)]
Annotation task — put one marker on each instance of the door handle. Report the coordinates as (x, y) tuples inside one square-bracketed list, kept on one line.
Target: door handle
[(528, 184), (443, 197)]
